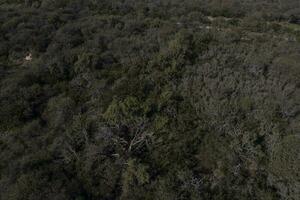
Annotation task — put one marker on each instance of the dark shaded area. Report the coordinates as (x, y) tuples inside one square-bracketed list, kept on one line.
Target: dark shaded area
[(164, 100)]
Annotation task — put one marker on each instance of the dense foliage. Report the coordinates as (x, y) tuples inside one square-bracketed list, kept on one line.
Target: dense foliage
[(160, 99)]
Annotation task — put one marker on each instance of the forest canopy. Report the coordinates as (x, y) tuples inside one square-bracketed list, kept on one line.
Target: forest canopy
[(153, 99)]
